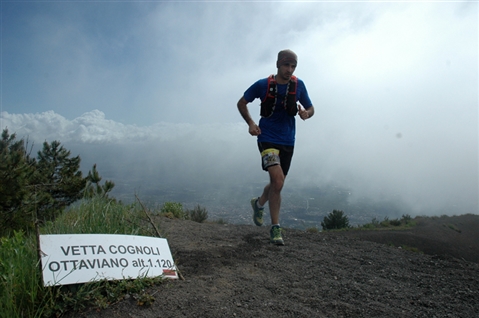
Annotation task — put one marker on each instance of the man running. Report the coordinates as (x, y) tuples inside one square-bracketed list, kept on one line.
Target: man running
[(279, 95)]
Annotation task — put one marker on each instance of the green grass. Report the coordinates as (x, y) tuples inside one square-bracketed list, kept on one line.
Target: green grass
[(453, 227), (100, 216), (22, 293), (20, 279), (407, 248), (404, 222), (220, 221), (175, 210), (411, 249)]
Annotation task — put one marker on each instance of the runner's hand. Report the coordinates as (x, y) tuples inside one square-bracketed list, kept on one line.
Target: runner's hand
[(303, 113), (254, 130)]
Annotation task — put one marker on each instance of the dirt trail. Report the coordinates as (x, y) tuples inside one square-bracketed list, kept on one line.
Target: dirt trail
[(233, 271)]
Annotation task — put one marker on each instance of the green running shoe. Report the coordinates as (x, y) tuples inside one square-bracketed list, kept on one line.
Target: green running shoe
[(257, 212), (275, 235)]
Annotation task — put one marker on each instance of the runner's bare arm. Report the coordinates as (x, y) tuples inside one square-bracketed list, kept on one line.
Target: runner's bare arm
[(243, 109)]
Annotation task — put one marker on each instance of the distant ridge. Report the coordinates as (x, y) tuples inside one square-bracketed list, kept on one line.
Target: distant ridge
[(448, 236)]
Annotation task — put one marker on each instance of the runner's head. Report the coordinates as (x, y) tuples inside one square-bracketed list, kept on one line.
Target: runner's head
[(285, 57), (287, 61)]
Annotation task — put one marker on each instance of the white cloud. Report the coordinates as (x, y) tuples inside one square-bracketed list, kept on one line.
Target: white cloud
[(428, 174), (394, 85), (93, 128)]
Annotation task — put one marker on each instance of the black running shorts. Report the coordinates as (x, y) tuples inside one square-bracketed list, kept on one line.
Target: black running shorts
[(274, 154)]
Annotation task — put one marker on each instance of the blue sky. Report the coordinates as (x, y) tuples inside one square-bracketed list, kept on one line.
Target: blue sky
[(394, 84), (146, 62)]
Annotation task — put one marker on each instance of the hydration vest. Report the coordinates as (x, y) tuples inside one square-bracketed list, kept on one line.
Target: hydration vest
[(289, 103)]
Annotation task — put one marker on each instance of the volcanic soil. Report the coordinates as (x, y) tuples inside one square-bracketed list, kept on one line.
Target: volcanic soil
[(431, 270)]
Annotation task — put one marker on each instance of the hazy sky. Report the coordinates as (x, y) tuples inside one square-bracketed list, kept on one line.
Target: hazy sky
[(394, 84)]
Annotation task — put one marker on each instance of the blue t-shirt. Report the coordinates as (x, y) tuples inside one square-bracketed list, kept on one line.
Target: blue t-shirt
[(279, 128)]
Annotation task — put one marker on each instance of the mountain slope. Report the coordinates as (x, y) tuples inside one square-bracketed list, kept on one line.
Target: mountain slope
[(233, 271)]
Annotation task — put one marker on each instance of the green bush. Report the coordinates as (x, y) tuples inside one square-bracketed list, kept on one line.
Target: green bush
[(395, 222), (312, 230), (335, 220), (385, 222), (406, 218), (221, 221), (173, 210), (198, 214), (375, 222)]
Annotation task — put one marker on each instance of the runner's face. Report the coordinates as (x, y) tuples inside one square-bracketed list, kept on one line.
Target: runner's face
[(286, 70)]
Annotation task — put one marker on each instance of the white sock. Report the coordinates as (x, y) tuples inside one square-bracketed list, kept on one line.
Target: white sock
[(275, 225), (258, 205)]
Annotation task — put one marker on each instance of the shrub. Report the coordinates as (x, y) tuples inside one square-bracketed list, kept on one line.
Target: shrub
[(221, 221), (406, 218), (335, 220), (312, 230), (385, 222), (395, 222), (198, 214), (174, 209)]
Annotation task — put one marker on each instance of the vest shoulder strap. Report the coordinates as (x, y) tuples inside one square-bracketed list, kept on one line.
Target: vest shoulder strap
[(271, 88)]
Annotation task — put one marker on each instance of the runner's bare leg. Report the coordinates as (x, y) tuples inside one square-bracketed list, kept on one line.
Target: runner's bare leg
[(272, 192)]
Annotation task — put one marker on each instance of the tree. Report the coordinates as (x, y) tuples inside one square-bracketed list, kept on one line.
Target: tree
[(16, 168), (93, 187), (335, 220), (39, 190), (57, 181)]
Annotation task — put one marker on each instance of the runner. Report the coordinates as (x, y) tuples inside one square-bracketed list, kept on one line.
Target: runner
[(279, 95)]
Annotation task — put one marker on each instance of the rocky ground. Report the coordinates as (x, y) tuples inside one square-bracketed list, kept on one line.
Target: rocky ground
[(233, 271)]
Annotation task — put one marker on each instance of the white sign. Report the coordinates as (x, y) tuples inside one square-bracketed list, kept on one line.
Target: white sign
[(81, 258)]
